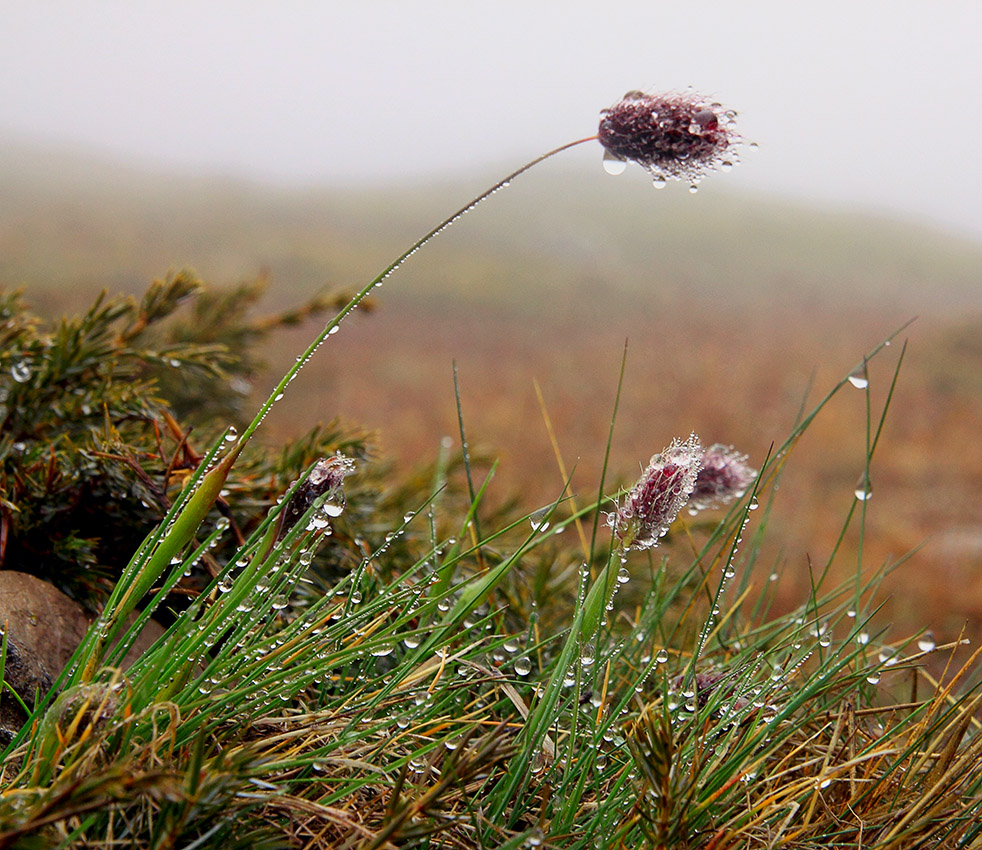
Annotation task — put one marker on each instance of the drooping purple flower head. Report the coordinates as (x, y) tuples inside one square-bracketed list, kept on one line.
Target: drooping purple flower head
[(724, 476), (651, 506), (672, 136)]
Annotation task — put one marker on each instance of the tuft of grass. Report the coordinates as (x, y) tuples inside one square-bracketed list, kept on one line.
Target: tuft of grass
[(476, 679)]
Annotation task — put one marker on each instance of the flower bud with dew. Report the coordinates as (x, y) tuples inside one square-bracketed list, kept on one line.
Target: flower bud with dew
[(651, 506), (725, 475), (324, 482), (671, 136)]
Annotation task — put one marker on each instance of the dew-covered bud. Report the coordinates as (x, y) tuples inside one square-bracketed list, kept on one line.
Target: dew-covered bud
[(651, 506), (324, 482), (724, 476), (672, 136)]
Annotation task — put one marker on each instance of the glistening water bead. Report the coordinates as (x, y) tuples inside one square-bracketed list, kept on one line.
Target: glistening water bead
[(21, 372)]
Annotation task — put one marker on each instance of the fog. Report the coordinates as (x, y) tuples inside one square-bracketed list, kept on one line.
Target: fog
[(870, 105)]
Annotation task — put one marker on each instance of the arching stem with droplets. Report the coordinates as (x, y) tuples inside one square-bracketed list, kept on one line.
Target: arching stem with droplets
[(280, 388)]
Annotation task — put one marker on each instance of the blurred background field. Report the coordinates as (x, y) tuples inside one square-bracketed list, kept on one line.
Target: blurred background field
[(733, 306)]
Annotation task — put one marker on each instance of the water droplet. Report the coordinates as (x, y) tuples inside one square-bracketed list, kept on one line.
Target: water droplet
[(693, 189), (754, 504), (614, 164), (623, 575), (231, 434), (862, 638), (334, 330), (864, 492), (662, 656), (658, 181), (538, 519), (874, 678), (383, 650), (333, 508), (926, 642), (523, 666), (888, 655), (21, 372), (860, 377)]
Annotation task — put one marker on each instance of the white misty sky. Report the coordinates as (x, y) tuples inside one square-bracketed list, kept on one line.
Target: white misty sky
[(872, 104)]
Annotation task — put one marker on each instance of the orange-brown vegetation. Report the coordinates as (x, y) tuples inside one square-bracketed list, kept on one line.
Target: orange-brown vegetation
[(732, 309)]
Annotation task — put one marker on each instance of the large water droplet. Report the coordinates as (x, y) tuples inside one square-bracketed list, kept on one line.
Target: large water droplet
[(614, 164), (523, 666), (538, 520), (860, 378), (21, 372)]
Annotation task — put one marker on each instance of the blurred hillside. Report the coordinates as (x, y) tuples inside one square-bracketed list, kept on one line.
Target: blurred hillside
[(732, 306)]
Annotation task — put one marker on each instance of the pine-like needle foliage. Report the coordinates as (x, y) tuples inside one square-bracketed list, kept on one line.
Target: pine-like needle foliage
[(103, 416)]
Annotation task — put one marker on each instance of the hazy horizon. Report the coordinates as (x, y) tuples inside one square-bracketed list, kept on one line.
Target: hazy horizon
[(859, 106)]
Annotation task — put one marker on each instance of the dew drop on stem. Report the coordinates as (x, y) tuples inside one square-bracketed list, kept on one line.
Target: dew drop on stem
[(860, 378)]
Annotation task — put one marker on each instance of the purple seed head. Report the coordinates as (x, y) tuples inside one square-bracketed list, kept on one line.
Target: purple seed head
[(651, 506), (724, 476), (672, 136)]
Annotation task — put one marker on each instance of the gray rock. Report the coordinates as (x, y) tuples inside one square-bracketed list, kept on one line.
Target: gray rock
[(43, 628)]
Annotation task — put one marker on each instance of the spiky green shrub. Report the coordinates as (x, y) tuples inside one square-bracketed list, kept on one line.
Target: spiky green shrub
[(103, 416)]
